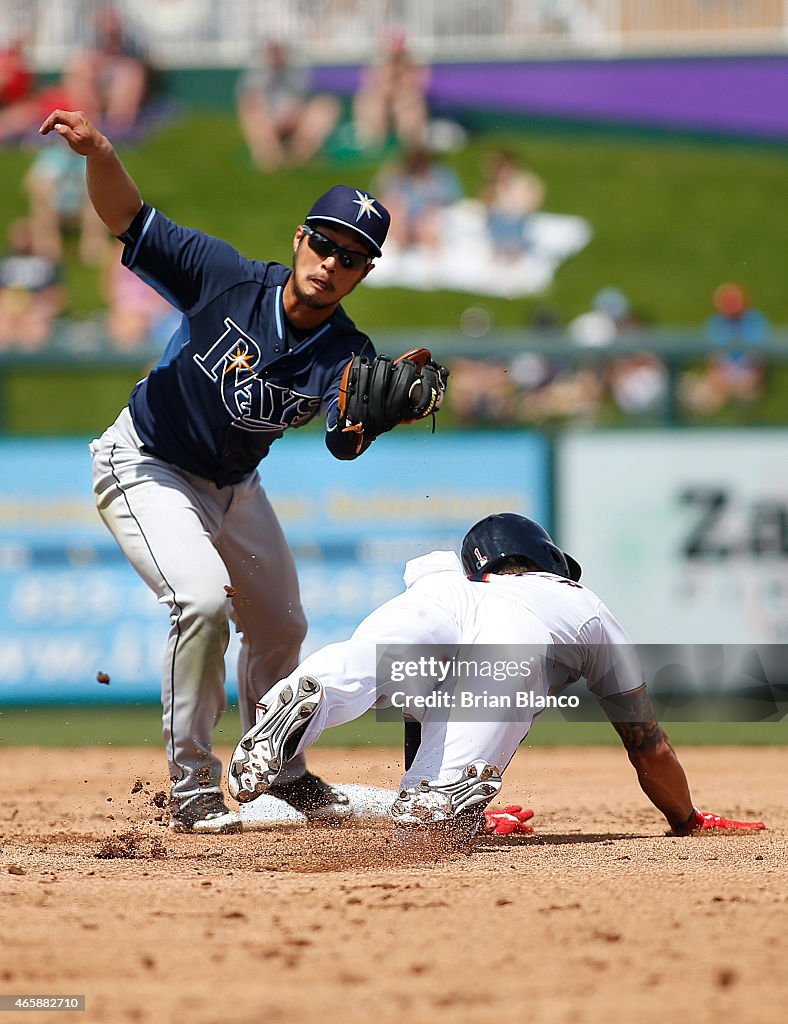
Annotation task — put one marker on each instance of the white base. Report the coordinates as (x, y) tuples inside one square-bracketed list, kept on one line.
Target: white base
[(366, 801)]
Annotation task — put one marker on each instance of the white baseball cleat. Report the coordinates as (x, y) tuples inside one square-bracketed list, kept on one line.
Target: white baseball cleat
[(456, 808), (272, 741)]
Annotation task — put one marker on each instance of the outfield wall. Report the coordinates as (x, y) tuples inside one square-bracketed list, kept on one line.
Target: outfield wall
[(667, 93), (684, 534), (730, 96)]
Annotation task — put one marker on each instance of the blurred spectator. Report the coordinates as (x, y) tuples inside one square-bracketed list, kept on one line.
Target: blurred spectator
[(281, 121), (481, 392), (575, 395), (119, 71), (137, 316), (554, 388), (510, 193), (30, 292), (416, 189), (55, 185), (609, 316), (736, 370), (529, 370), (392, 97), (108, 80), (735, 326), (20, 120), (638, 382), (16, 78)]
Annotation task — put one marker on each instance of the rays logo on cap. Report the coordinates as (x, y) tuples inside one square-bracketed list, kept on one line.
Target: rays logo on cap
[(366, 205)]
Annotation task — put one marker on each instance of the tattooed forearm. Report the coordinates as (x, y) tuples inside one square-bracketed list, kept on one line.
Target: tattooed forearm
[(659, 771), (639, 737), (634, 720)]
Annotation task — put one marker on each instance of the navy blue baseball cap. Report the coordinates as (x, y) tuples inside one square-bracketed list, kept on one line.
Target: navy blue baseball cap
[(354, 209)]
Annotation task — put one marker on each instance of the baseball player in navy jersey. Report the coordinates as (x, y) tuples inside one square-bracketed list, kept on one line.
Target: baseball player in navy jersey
[(521, 594), (261, 348)]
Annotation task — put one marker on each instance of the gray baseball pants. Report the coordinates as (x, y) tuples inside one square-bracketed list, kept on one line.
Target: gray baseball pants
[(210, 554)]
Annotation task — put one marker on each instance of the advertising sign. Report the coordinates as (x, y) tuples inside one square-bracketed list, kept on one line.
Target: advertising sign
[(71, 607), (684, 534)]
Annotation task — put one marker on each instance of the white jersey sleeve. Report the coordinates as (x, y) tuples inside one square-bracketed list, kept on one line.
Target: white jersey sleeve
[(611, 664)]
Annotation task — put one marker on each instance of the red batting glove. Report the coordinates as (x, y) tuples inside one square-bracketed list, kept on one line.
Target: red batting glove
[(508, 821), (703, 821), (708, 821)]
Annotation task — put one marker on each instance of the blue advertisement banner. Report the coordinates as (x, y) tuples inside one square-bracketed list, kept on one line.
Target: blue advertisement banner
[(71, 607)]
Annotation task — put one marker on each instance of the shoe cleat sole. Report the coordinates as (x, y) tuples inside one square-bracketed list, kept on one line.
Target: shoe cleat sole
[(259, 756)]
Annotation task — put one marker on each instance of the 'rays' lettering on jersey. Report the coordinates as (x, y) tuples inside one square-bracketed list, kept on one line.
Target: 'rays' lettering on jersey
[(233, 350), (254, 404)]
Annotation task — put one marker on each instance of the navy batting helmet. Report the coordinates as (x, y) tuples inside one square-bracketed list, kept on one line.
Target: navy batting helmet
[(506, 536)]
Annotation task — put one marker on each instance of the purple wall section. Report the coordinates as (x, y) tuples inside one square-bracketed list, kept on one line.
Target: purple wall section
[(731, 95)]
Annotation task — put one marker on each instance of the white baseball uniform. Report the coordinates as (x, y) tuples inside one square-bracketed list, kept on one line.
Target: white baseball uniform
[(444, 608)]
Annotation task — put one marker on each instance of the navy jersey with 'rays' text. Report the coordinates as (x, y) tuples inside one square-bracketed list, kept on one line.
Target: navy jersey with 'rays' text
[(233, 377)]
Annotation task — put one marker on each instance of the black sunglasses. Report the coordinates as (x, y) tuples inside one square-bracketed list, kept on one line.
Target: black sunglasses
[(325, 247)]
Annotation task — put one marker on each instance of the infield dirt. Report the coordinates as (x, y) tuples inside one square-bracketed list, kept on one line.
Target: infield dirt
[(598, 917)]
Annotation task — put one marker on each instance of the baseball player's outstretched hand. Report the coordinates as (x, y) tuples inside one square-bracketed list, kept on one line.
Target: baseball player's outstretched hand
[(508, 821), (82, 136), (112, 191), (703, 821)]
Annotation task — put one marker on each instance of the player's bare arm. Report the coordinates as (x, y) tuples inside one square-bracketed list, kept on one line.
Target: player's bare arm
[(658, 768), (113, 193), (651, 754)]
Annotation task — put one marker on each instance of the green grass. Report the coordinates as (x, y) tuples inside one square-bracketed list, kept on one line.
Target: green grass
[(135, 725), (672, 218)]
